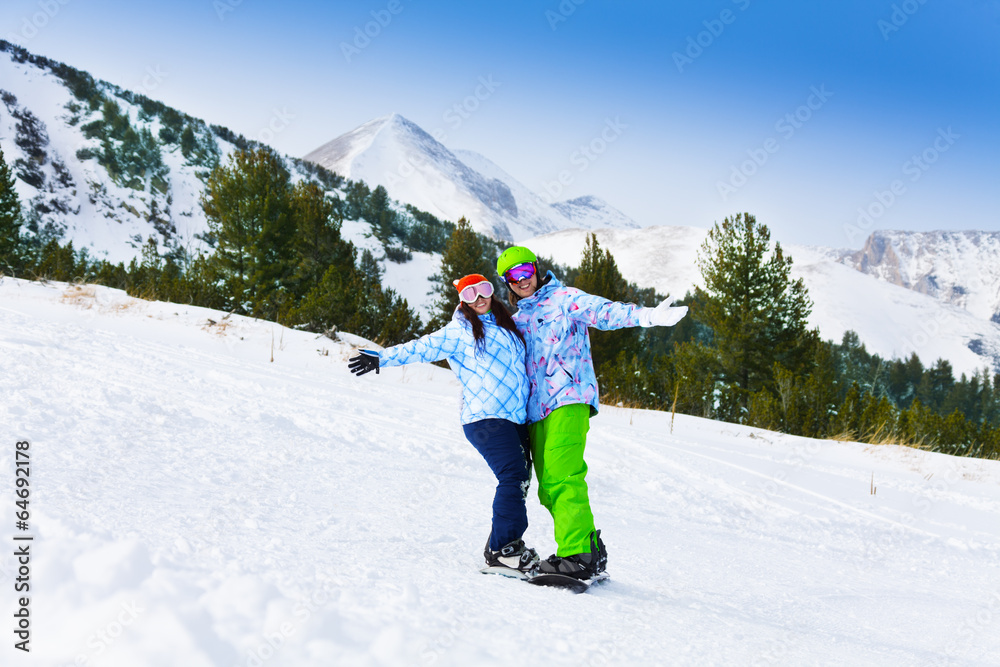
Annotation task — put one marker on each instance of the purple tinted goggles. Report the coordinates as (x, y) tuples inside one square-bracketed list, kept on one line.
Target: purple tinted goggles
[(518, 273)]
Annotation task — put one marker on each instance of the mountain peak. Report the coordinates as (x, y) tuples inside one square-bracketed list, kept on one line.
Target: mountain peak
[(590, 212), (960, 268), (415, 168), (393, 122)]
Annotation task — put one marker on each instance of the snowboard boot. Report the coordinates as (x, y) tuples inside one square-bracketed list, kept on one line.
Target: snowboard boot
[(600, 552), (515, 556), (580, 566)]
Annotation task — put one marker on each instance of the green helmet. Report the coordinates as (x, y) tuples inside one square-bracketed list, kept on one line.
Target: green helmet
[(513, 256)]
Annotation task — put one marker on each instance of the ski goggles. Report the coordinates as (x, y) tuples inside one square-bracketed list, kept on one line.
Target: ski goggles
[(473, 292), (516, 274)]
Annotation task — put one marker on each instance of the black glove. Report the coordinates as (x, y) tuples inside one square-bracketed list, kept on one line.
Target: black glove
[(363, 363)]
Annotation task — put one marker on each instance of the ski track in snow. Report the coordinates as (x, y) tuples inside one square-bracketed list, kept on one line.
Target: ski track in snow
[(195, 503)]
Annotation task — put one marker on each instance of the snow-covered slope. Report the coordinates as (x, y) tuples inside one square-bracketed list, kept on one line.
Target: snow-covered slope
[(110, 185), (589, 212), (894, 321), (43, 135), (416, 169), (212, 491), (659, 257), (890, 319), (586, 212), (961, 268), (74, 197)]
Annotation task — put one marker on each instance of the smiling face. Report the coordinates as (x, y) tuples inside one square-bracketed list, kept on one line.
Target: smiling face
[(526, 287), (482, 305)]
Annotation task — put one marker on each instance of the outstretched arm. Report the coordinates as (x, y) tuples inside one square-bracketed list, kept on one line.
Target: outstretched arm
[(606, 315), (435, 346), (600, 313)]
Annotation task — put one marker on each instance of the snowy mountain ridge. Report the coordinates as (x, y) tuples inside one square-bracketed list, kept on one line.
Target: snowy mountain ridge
[(416, 169), (67, 193), (53, 132), (961, 268), (893, 319), (68, 168)]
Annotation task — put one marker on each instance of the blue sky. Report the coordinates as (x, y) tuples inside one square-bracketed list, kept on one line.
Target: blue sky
[(825, 120)]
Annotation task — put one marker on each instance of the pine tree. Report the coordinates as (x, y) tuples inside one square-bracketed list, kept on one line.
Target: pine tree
[(58, 262), (904, 378), (368, 288), (696, 384), (379, 313), (399, 323), (756, 311), (819, 394), (356, 200), (936, 385), (188, 142), (317, 243), (330, 303), (955, 435), (10, 220), (467, 252), (248, 204), (380, 215), (847, 424)]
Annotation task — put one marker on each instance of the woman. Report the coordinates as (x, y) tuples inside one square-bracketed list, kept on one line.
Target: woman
[(486, 352), (554, 319)]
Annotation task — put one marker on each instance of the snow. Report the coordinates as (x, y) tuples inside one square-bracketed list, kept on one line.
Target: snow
[(663, 258), (537, 214), (591, 212), (410, 280), (962, 268), (416, 169), (212, 490), (896, 322), (110, 220), (891, 320), (954, 275), (413, 167)]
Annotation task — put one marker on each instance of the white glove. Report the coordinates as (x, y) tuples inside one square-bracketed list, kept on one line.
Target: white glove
[(664, 315)]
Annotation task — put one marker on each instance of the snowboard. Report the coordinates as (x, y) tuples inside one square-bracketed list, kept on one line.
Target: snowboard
[(567, 582), (553, 580), (505, 572)]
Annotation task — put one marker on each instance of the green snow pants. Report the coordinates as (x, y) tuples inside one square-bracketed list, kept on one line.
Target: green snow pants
[(557, 444)]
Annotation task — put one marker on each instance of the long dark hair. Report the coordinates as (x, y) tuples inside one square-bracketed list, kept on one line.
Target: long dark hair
[(500, 314)]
